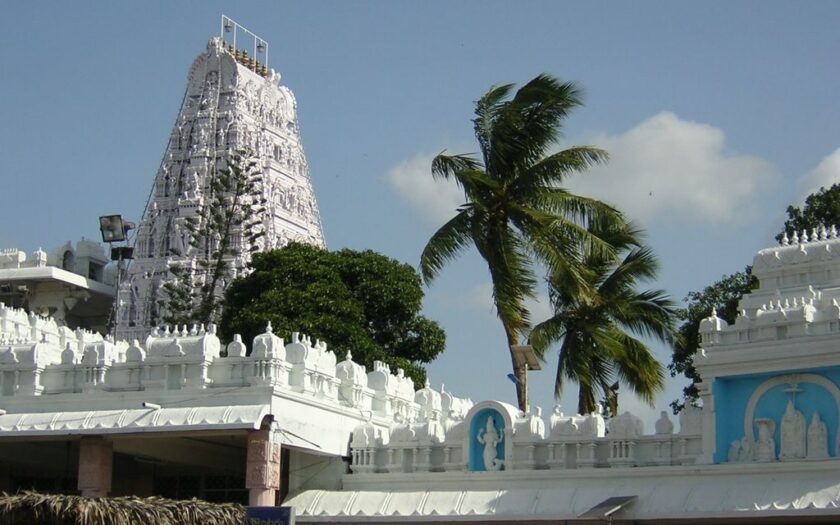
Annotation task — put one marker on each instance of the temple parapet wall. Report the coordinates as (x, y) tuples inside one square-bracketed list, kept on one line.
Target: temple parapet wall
[(40, 358), (495, 436), (398, 430)]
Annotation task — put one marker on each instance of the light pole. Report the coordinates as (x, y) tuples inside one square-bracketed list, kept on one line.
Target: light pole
[(524, 359), (115, 230)]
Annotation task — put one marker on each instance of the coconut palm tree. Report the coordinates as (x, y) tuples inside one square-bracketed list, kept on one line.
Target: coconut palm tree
[(599, 332), (516, 211)]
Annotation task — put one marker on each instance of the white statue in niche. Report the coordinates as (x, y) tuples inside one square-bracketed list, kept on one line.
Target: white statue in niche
[(765, 447), (490, 438), (734, 451), (793, 434), (817, 438), (664, 425)]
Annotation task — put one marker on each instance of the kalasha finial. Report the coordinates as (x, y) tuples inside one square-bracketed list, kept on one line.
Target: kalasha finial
[(823, 232), (804, 235), (833, 232), (785, 240), (795, 238)]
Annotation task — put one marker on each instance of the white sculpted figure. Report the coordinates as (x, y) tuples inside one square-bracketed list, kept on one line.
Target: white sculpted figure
[(490, 438), (734, 451), (664, 425), (765, 447), (817, 438), (793, 434)]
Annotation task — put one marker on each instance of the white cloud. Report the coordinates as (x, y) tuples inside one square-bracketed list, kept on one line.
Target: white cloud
[(825, 174), (437, 200), (662, 167), (669, 167)]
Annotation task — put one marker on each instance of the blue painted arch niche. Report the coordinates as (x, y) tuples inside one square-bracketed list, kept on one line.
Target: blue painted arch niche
[(732, 396), (478, 426)]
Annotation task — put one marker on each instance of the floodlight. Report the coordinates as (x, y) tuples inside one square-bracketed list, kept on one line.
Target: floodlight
[(112, 228)]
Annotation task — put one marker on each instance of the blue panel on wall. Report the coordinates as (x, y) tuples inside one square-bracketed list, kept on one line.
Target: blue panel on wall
[(732, 395), (478, 427)]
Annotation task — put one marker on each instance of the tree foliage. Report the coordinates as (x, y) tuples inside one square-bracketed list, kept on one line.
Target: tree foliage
[(601, 332), (822, 208), (516, 212), (229, 220), (359, 302), (723, 297)]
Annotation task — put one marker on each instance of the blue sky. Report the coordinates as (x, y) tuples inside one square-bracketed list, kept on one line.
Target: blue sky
[(717, 115)]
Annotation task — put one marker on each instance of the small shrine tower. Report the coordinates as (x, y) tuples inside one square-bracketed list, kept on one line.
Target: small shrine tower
[(233, 103), (770, 380)]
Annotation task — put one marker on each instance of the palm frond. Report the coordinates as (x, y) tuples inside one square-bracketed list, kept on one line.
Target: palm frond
[(546, 332), (511, 275), (486, 113), (445, 244), (639, 369), (448, 166), (552, 170), (529, 123)]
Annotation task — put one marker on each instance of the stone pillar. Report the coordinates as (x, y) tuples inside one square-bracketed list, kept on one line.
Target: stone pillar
[(95, 461), (709, 441), (262, 472)]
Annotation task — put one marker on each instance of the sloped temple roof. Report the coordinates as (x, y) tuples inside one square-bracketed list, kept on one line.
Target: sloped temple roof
[(662, 493), (129, 421)]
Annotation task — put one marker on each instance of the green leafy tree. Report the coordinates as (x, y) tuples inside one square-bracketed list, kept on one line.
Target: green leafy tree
[(359, 302), (601, 333), (516, 212), (723, 297), (822, 208), (230, 220)]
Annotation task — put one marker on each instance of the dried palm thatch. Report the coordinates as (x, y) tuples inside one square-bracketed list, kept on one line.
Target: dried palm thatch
[(26, 508)]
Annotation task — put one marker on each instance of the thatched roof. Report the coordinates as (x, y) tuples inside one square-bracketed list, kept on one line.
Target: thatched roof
[(26, 508)]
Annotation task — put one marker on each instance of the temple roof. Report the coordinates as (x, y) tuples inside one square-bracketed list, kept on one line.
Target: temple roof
[(136, 420), (699, 492)]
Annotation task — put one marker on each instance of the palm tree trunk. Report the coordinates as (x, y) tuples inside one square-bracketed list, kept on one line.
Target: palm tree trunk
[(519, 372), (586, 400)]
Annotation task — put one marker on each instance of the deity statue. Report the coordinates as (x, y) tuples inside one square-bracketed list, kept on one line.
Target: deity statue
[(490, 438), (793, 434), (817, 438), (734, 451), (664, 425), (765, 447)]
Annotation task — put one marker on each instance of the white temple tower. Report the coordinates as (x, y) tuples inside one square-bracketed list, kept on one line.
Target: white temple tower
[(232, 101)]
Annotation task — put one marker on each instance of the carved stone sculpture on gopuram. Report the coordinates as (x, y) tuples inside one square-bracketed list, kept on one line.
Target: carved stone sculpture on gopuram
[(233, 103)]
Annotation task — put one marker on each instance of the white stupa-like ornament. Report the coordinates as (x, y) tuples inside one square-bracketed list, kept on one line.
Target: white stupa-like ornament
[(232, 102)]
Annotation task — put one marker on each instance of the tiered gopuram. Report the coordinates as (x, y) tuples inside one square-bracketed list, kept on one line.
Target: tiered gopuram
[(232, 102)]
